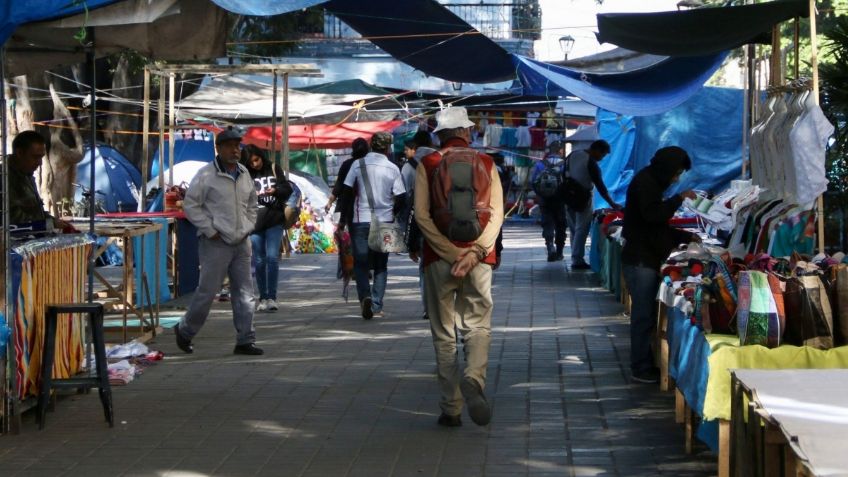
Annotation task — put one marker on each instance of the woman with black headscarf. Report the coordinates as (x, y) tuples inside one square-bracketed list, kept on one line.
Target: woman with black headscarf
[(649, 240)]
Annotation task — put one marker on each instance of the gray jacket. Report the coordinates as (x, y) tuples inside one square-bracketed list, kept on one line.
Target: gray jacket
[(217, 203)]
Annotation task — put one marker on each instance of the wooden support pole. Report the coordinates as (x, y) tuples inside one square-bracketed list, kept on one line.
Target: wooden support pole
[(814, 62), (161, 112), (171, 119), (145, 141)]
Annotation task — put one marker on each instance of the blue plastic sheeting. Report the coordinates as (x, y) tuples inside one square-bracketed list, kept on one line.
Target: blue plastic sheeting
[(708, 126), (427, 36), (645, 92), (114, 176), (265, 7), (17, 12), (184, 150), (148, 266), (620, 132), (688, 365)]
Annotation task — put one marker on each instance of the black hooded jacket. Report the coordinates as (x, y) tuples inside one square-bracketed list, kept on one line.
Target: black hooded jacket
[(649, 239), (271, 206)]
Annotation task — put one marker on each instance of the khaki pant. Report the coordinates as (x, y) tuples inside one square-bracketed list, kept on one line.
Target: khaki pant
[(463, 304)]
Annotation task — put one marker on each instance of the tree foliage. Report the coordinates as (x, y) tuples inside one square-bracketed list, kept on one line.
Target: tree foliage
[(254, 37)]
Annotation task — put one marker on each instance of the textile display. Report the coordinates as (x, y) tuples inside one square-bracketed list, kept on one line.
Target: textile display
[(788, 145), (52, 270)]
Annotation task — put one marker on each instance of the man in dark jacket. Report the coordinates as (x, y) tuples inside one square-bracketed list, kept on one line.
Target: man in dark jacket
[(25, 204), (649, 240)]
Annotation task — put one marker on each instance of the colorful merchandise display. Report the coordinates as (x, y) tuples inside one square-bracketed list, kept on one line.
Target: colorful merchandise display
[(44, 271)]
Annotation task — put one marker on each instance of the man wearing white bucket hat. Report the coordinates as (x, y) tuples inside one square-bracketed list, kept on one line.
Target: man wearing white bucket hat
[(459, 208)]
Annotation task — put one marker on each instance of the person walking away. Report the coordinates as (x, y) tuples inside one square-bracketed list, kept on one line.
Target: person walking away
[(273, 190), (582, 166), (386, 186), (359, 148), (221, 203), (648, 242), (420, 146), (459, 208), (547, 180)]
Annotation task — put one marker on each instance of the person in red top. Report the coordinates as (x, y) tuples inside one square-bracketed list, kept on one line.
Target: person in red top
[(458, 282)]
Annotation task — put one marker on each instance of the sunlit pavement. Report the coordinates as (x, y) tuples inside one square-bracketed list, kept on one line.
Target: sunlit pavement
[(336, 395)]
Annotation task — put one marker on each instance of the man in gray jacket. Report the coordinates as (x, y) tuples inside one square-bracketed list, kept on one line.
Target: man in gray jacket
[(221, 203)]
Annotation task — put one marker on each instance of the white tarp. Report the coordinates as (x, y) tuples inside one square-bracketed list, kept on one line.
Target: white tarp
[(238, 97)]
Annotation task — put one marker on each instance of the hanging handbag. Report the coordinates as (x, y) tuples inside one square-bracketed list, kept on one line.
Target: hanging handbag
[(382, 237)]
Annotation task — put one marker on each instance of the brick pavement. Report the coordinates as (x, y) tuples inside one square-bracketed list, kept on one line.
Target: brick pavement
[(335, 395)]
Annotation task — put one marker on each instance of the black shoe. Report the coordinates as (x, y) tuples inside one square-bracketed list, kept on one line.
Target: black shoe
[(425, 316), (552, 257), (183, 343), (367, 311), (478, 407), (559, 257), (450, 421), (249, 349), (649, 376), (581, 266)]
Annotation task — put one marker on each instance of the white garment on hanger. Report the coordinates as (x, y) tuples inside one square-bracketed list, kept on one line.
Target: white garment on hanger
[(522, 137), (809, 139)]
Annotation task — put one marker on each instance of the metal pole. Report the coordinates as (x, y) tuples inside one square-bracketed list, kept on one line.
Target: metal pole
[(161, 112), (9, 361), (286, 125), (814, 47), (92, 69), (171, 138), (145, 145), (274, 124)]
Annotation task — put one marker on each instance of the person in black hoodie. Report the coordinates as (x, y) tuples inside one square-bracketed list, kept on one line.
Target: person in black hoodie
[(649, 240), (359, 149), (273, 190)]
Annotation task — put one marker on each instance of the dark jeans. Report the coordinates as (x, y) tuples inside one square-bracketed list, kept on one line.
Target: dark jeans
[(643, 283), (553, 225), (364, 259)]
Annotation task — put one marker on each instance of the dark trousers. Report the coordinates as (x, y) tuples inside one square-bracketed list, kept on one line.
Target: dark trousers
[(643, 284), (553, 225)]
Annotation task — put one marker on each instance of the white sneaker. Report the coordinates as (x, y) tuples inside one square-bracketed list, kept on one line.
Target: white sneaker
[(271, 304), (262, 305)]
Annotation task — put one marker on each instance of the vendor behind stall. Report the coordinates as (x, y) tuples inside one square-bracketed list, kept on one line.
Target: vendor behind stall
[(649, 240), (25, 204)]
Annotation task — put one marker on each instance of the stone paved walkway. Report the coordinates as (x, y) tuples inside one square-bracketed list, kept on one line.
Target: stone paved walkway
[(335, 395)]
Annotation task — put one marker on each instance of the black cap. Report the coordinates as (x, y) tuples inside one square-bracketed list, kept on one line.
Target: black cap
[(227, 135)]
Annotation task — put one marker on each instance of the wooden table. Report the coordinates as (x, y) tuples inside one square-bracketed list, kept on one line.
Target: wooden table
[(121, 234), (789, 422)]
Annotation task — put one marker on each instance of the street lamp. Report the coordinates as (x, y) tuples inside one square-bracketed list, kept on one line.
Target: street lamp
[(566, 43)]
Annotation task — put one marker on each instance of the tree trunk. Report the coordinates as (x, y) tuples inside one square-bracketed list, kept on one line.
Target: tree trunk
[(124, 121), (57, 184)]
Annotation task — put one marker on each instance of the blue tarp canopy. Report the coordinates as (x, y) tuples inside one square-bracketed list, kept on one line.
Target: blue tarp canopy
[(427, 36), (17, 12), (265, 7), (638, 93), (708, 126), (701, 31), (114, 176)]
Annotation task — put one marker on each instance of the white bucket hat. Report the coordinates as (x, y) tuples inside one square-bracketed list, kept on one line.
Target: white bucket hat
[(451, 118)]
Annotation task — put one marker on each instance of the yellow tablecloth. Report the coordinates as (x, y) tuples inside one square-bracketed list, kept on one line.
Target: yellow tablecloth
[(724, 358)]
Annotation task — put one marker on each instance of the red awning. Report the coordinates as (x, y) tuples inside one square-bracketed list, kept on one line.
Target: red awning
[(323, 136)]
